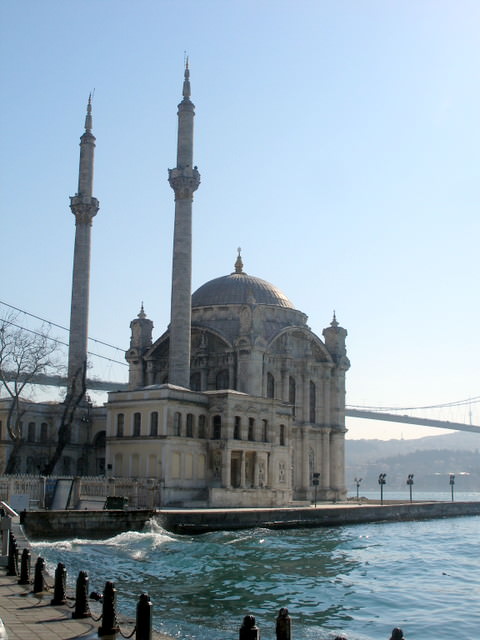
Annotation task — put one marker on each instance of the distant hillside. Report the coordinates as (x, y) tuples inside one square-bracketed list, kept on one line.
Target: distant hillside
[(430, 459)]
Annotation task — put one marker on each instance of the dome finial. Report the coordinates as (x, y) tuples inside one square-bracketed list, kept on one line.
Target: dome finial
[(238, 262), (142, 315), (334, 322)]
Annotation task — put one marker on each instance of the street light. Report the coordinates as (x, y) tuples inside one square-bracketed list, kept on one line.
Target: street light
[(315, 483), (410, 484), (357, 482), (452, 482), (381, 482)]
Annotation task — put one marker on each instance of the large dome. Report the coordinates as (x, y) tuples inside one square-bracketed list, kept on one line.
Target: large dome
[(239, 288)]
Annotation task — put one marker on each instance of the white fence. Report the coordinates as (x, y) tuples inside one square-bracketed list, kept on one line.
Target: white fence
[(38, 492)]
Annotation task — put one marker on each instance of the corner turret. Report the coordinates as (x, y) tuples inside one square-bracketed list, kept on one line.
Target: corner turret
[(335, 342), (140, 342)]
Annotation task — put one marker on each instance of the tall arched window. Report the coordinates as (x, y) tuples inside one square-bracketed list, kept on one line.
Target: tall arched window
[(292, 392), (44, 432), (313, 402), (177, 424), (270, 385), (251, 429), (282, 435), (120, 424), (189, 425), (154, 423), (137, 423), (201, 426), (217, 427), (31, 432), (264, 430), (237, 427)]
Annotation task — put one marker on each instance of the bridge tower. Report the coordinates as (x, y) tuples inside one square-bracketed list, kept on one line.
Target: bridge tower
[(84, 207), (184, 180)]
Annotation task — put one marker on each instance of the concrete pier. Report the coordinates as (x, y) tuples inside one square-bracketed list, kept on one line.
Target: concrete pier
[(102, 524)]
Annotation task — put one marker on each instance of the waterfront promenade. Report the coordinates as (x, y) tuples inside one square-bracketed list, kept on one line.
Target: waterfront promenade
[(27, 616)]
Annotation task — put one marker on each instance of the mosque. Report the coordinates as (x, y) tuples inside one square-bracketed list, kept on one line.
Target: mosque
[(238, 402)]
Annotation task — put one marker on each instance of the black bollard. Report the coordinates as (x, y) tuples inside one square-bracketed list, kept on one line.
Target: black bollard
[(283, 627), (109, 615), (82, 609), (60, 586), (12, 568), (25, 567), (144, 618), (38, 579), (248, 630)]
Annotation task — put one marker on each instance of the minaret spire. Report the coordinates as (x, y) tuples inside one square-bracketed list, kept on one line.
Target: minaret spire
[(184, 180), (84, 207)]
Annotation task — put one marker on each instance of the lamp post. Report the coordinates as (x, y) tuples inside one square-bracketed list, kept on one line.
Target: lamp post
[(357, 482), (381, 482), (315, 483), (452, 482), (410, 484)]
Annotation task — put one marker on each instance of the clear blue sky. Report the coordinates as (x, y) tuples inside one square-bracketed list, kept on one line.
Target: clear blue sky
[(338, 144)]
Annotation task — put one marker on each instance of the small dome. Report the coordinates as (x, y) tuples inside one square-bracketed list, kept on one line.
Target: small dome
[(239, 288)]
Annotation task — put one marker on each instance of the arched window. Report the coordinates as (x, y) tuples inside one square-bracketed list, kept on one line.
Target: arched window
[(31, 432), (222, 380), (217, 427), (251, 428), (237, 427), (189, 425), (120, 424), (177, 424), (201, 426), (154, 423), (44, 432), (292, 392), (137, 423), (270, 386), (313, 402), (265, 430)]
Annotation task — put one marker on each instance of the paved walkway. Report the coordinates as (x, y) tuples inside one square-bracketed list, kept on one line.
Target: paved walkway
[(27, 616)]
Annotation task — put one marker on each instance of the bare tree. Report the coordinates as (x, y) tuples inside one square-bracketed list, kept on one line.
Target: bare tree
[(24, 355)]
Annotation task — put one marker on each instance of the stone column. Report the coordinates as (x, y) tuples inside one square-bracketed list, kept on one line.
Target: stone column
[(242, 470), (337, 460), (325, 462)]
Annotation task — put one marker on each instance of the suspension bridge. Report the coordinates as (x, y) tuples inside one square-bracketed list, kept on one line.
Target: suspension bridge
[(387, 414)]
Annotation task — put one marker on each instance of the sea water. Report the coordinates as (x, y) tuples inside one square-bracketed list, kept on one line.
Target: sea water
[(359, 580)]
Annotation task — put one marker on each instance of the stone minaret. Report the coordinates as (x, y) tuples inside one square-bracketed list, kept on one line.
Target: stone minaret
[(84, 207), (184, 180)]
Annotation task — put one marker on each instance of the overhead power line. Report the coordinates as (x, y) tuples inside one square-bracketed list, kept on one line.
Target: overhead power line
[(65, 344), (59, 326)]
